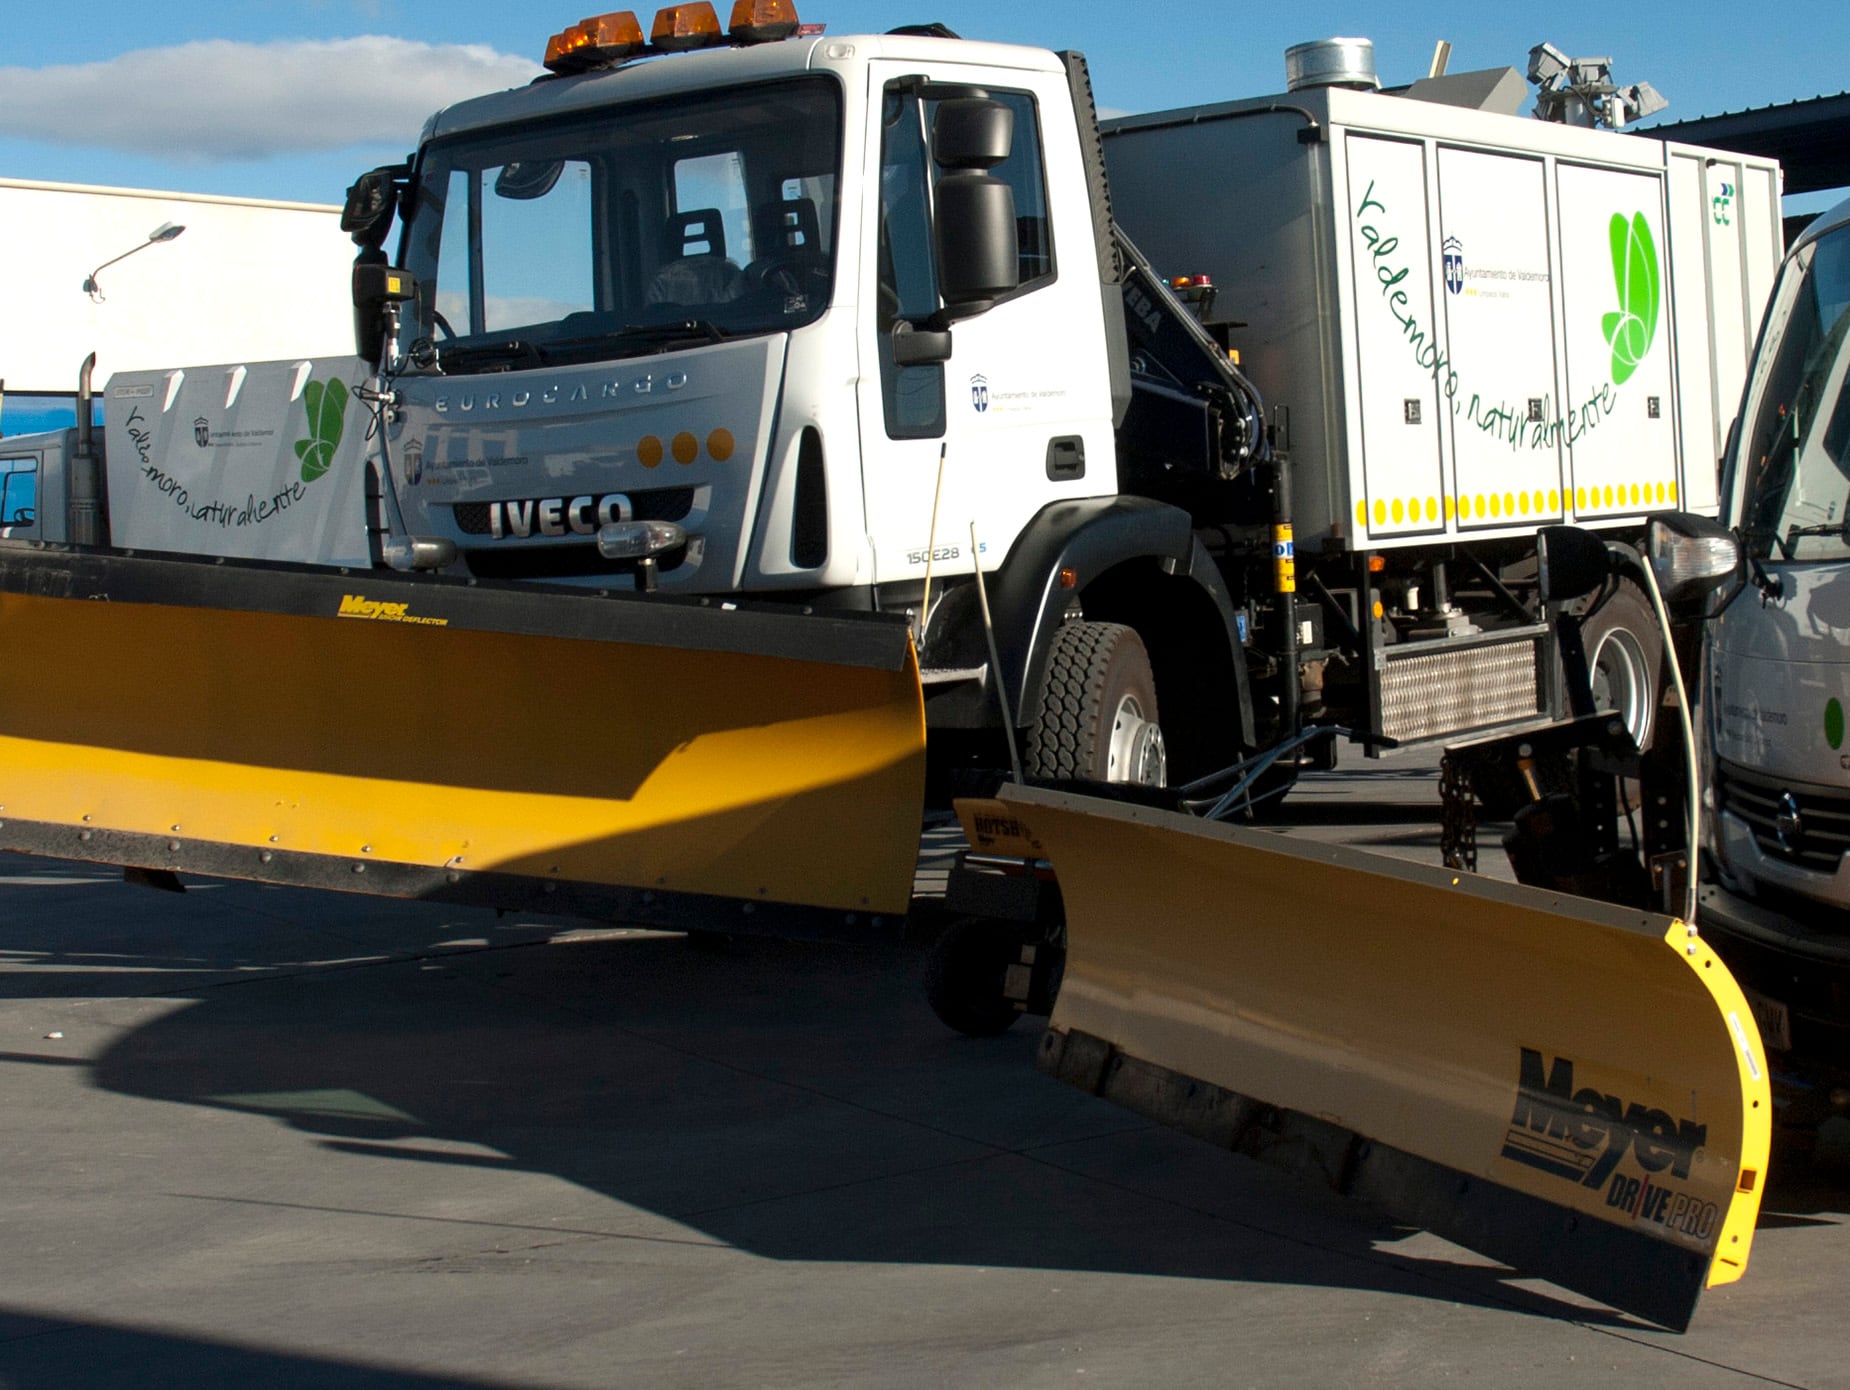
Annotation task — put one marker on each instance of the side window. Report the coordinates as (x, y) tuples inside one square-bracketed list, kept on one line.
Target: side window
[(516, 246), (19, 495), (1025, 173), (913, 396), (908, 282), (717, 182)]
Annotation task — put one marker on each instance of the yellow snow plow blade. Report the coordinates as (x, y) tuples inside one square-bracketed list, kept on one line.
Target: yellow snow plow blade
[(1573, 1089), (611, 755)]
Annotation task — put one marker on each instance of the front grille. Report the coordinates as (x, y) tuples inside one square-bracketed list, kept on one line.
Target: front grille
[(559, 562), (658, 504), (1821, 834), (1431, 694)]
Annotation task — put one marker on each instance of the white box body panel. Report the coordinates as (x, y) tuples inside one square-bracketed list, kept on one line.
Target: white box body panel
[(261, 461), (1476, 324)]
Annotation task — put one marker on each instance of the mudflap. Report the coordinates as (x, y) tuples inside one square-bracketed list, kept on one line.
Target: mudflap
[(1573, 1089), (673, 761)]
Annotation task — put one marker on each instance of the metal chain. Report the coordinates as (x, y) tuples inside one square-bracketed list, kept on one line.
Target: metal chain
[(1458, 819)]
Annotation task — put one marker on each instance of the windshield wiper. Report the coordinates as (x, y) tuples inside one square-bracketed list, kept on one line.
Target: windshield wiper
[(504, 355), (508, 354), (634, 337), (1840, 529), (704, 329)]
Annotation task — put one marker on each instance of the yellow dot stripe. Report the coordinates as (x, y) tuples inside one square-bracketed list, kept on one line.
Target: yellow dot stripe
[(1389, 512)]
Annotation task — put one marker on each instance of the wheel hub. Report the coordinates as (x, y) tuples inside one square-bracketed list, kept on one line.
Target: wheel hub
[(1135, 753), (1622, 682)]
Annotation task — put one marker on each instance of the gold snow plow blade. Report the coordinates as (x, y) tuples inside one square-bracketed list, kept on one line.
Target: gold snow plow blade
[(1570, 1088), (660, 760)]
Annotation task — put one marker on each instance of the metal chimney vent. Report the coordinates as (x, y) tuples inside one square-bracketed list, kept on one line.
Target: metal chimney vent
[(1331, 63)]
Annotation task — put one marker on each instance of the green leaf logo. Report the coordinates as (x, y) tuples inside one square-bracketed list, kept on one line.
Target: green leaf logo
[(1631, 330), (327, 414)]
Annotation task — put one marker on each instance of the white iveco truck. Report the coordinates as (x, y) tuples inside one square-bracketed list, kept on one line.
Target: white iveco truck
[(833, 320), (822, 381)]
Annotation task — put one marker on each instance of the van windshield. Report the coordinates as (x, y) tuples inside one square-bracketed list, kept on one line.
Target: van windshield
[(1797, 454), (607, 234)]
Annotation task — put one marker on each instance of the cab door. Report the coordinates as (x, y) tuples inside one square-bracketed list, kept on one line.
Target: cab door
[(1020, 411)]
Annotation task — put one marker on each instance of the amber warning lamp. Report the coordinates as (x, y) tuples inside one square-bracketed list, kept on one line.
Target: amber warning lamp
[(762, 21), (683, 28), (610, 39), (598, 42)]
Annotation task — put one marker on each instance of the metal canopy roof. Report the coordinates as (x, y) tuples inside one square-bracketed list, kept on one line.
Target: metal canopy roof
[(1810, 139)]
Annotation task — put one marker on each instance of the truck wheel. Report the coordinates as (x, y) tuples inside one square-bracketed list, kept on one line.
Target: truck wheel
[(964, 978), (1097, 720), (1625, 655)]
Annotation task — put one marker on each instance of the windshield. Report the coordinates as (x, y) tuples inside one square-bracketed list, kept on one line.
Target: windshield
[(1797, 455), (608, 233)]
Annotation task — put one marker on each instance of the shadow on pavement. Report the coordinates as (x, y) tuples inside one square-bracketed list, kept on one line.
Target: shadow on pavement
[(795, 1101), (61, 1354)]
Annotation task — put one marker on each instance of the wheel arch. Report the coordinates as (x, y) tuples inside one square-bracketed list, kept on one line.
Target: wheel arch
[(1138, 562), (1190, 631)]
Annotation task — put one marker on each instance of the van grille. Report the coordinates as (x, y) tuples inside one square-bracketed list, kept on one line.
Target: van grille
[(1805, 826)]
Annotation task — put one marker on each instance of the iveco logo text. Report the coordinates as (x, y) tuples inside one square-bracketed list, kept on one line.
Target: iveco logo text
[(557, 516), (523, 397)]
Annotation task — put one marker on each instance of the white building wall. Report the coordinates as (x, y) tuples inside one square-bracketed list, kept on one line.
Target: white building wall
[(247, 281)]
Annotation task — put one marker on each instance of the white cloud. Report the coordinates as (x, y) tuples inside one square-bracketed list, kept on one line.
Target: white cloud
[(221, 99)]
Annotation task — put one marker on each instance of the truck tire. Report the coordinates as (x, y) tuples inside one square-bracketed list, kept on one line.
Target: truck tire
[(1625, 656), (1097, 719)]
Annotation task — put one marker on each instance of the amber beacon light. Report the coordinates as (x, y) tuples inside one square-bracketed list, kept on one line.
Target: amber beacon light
[(682, 28), (762, 21), (610, 39), (590, 43)]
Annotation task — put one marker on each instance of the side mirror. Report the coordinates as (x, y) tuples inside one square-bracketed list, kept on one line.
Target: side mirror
[(920, 347), (376, 285), (973, 223), (1570, 562), (971, 133), (524, 181), (372, 200)]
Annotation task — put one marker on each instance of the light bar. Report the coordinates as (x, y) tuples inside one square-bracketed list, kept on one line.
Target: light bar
[(683, 28), (762, 21), (596, 42)]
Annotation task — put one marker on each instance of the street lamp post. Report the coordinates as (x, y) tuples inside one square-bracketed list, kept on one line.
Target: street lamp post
[(167, 231)]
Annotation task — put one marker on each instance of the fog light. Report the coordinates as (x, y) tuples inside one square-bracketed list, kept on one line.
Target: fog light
[(638, 540), (405, 553), (1840, 1097)]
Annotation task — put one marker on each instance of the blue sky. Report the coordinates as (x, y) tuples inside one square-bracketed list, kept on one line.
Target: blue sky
[(290, 98)]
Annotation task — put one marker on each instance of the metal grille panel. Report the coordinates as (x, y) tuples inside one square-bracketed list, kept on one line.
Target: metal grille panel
[(1806, 826), (1433, 694)]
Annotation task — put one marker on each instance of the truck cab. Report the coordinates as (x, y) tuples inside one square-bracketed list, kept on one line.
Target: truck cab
[(33, 473), (642, 290)]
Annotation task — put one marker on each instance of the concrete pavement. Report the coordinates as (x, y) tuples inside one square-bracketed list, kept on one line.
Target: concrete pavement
[(267, 1137)]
